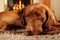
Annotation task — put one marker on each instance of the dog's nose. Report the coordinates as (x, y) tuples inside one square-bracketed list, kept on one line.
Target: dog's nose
[(30, 33)]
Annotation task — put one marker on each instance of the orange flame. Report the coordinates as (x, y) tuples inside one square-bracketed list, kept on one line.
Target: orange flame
[(18, 6)]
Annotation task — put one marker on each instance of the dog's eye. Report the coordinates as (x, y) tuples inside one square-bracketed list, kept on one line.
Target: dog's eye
[(25, 16), (37, 14)]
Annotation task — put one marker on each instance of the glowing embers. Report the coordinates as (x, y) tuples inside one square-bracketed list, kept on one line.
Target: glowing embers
[(18, 6)]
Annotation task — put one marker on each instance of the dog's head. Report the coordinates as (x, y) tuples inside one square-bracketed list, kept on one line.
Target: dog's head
[(35, 17)]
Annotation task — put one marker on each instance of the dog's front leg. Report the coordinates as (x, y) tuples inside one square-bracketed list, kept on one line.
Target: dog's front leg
[(3, 26)]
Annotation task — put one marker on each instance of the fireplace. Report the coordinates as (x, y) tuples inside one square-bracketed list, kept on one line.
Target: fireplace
[(18, 4)]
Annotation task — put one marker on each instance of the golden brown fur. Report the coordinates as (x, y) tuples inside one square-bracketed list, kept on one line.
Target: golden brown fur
[(8, 17)]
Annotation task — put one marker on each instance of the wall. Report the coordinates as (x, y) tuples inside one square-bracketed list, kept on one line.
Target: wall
[(37, 1), (55, 5), (2, 5)]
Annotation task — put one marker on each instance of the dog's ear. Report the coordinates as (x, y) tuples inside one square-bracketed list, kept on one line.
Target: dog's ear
[(40, 9)]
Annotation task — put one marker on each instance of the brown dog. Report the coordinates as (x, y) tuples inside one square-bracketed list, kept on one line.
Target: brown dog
[(35, 16)]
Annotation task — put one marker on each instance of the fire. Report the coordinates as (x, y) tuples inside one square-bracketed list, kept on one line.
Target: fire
[(18, 6), (15, 6)]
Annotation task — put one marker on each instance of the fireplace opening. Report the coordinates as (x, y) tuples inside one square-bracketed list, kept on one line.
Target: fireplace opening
[(26, 2), (17, 4)]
